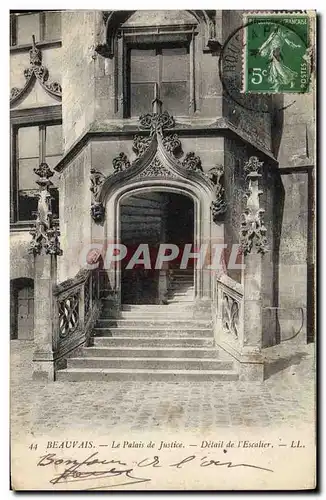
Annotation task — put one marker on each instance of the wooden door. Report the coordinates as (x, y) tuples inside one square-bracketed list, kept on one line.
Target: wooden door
[(25, 323)]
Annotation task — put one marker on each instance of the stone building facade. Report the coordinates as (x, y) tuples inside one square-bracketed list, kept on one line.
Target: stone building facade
[(131, 111)]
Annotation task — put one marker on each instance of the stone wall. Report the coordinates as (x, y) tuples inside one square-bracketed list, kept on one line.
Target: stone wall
[(75, 219), (78, 73)]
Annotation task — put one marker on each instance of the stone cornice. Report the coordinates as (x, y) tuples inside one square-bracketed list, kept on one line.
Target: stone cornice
[(127, 128)]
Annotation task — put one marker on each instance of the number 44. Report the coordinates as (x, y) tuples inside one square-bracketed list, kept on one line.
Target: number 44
[(257, 75), (33, 446)]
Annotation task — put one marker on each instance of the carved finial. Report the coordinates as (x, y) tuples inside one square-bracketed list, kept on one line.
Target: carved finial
[(156, 103), (156, 121), (35, 55), (44, 234), (253, 230), (253, 166)]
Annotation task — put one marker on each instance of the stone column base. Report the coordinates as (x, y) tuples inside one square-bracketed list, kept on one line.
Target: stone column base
[(249, 362), (43, 365)]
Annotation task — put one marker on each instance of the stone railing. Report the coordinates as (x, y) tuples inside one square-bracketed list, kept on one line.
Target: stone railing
[(229, 328), (76, 308), (228, 314)]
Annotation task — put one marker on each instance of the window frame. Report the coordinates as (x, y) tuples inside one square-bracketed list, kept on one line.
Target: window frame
[(129, 38), (49, 115), (158, 47), (14, 46)]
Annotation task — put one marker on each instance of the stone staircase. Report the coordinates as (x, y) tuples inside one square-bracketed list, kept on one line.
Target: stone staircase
[(150, 343), (181, 287)]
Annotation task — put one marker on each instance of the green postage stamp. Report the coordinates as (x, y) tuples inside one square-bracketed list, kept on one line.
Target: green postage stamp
[(277, 53)]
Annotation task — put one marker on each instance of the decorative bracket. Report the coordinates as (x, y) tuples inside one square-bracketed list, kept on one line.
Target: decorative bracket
[(45, 235), (253, 230), (36, 71)]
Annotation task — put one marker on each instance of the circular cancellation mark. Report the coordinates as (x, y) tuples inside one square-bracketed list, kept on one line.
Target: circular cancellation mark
[(231, 70)]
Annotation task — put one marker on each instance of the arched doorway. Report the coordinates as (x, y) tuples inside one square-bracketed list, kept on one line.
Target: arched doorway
[(22, 309), (151, 219)]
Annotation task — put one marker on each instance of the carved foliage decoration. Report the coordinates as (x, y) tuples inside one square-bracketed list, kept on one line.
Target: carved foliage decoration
[(253, 230), (172, 144), (192, 162), (140, 144), (218, 206), (45, 235), (120, 162), (156, 169), (230, 315), (36, 71), (156, 121), (97, 208)]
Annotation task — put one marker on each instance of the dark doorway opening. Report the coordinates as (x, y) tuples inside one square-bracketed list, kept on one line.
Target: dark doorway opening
[(151, 219)]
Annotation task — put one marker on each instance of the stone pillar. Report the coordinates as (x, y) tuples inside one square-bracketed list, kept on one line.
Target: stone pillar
[(45, 247), (253, 242)]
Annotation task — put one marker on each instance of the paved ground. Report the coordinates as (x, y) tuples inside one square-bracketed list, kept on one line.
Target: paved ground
[(287, 395)]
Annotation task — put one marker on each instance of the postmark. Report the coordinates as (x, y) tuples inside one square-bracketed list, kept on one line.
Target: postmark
[(276, 53)]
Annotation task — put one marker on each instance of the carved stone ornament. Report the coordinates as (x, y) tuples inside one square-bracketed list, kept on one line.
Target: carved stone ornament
[(218, 206), (140, 144), (156, 121), (253, 230), (36, 71), (230, 315), (97, 180), (45, 236), (97, 212), (120, 162), (253, 165), (192, 162), (172, 144), (97, 209), (156, 169)]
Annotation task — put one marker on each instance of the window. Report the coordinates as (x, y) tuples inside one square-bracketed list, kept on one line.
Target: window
[(34, 145), (46, 26), (167, 69)]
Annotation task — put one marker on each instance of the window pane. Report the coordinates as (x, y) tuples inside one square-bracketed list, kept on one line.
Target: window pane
[(143, 65), (175, 97), (26, 176), (28, 25), (175, 64), (141, 97), (28, 142), (53, 140), (27, 204), (52, 28)]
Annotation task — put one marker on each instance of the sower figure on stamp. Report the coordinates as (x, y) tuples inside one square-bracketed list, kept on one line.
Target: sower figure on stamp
[(279, 73)]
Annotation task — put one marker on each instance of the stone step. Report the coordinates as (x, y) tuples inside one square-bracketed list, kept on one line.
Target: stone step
[(160, 308), (180, 324), (178, 293), (156, 352), (129, 341), (115, 374), (152, 332), (180, 300), (149, 363), (159, 315)]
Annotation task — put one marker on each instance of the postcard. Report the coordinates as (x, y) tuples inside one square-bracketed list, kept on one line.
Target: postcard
[(162, 239)]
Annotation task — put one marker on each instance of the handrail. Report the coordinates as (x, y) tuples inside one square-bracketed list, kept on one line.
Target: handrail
[(76, 305)]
